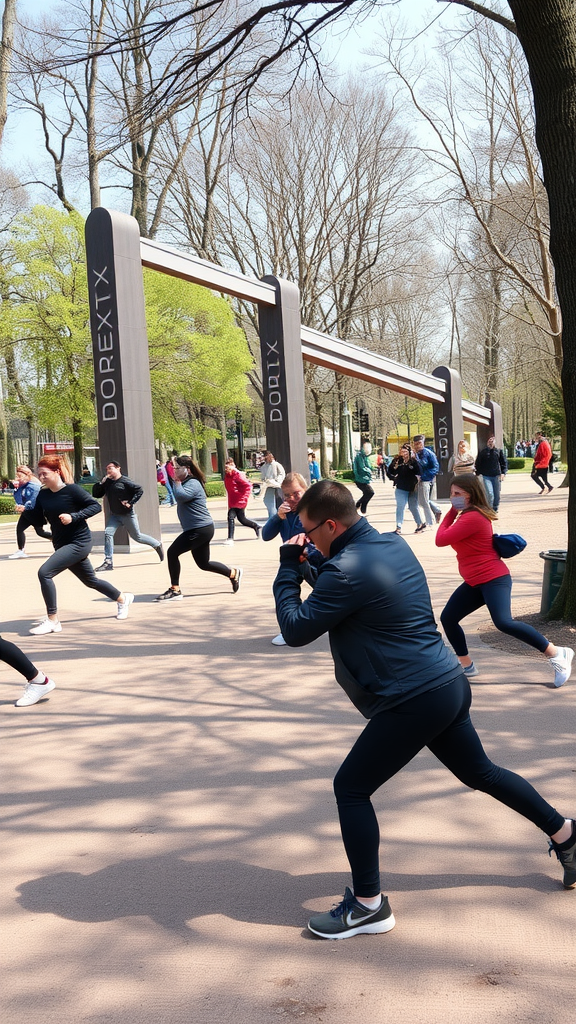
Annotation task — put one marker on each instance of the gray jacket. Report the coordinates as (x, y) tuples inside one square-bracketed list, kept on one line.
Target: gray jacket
[(191, 501)]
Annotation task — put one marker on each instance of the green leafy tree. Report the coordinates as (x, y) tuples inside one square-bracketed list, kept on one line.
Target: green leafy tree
[(199, 359), (44, 325)]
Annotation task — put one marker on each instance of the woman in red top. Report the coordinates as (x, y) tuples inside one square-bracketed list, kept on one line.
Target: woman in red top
[(238, 489), (467, 527)]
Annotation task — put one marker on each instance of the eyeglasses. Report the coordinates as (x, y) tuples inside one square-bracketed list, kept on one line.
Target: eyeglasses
[(317, 527)]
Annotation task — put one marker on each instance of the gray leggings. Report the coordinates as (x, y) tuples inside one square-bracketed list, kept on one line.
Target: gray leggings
[(75, 558)]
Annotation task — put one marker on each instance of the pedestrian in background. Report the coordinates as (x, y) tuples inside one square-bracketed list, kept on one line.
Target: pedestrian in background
[(272, 475), (314, 468), (121, 494), (404, 472), (462, 461), (238, 490), (491, 464), (362, 469), (542, 462), (429, 468), (26, 491)]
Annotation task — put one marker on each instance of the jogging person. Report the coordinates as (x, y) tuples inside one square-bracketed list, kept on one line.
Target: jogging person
[(372, 597), (26, 491), (67, 507), (197, 529), (362, 470), (122, 494), (542, 463), (38, 685), (238, 490), (467, 527)]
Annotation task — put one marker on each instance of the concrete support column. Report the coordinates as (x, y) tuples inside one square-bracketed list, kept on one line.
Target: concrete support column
[(121, 367), (283, 377)]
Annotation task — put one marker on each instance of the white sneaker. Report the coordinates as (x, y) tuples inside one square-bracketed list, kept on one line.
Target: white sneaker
[(18, 554), (33, 692), (46, 626), (562, 665), (228, 543), (279, 641), (123, 608)]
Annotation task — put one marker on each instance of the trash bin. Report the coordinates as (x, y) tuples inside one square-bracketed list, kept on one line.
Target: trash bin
[(554, 567)]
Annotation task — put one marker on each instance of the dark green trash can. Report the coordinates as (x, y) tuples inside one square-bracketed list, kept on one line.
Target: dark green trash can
[(554, 567)]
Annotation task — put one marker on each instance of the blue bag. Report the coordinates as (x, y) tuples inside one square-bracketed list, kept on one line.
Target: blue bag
[(508, 544)]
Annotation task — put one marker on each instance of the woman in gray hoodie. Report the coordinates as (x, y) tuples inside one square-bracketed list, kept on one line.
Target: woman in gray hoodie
[(197, 526)]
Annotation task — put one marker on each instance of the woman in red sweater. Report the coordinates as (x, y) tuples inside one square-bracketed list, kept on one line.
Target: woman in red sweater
[(238, 489), (467, 527)]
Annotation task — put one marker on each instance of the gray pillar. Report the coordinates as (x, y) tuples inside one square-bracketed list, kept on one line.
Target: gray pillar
[(448, 425), (121, 367), (494, 428), (283, 377)]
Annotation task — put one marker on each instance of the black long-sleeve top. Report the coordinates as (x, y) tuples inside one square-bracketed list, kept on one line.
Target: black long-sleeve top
[(117, 491), (404, 474), (71, 499)]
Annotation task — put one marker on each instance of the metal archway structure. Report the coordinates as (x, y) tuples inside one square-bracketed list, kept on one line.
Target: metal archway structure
[(115, 257)]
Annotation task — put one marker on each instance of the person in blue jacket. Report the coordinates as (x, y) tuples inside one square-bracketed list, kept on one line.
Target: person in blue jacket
[(314, 468), (26, 491), (362, 469), (372, 598), (429, 469)]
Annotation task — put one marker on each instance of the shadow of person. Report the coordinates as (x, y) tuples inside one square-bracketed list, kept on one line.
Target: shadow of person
[(173, 892)]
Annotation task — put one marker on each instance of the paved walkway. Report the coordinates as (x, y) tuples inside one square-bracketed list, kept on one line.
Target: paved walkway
[(169, 821)]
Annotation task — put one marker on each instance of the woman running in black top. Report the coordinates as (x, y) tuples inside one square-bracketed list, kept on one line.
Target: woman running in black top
[(67, 507)]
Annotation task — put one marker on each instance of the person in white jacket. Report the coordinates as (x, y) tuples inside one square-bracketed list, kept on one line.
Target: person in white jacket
[(272, 475)]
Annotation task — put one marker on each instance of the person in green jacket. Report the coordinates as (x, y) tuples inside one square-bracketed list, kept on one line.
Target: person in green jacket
[(362, 469)]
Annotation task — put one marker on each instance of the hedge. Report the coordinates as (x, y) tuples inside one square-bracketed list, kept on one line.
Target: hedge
[(516, 463), (7, 505)]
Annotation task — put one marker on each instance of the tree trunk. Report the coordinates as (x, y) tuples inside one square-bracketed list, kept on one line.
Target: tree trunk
[(221, 447), (6, 45), (547, 32)]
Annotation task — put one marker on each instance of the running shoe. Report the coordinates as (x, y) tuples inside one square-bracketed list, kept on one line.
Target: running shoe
[(236, 580), (123, 606), (160, 552), (107, 566), (470, 671), (33, 692), (567, 856), (562, 665), (170, 595), (46, 626), (18, 554), (350, 918), (279, 641)]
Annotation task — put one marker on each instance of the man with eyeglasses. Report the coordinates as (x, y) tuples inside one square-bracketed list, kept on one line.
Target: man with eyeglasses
[(372, 598)]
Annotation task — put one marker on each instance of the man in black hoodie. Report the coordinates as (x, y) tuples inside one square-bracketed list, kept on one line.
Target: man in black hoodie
[(492, 466), (122, 494)]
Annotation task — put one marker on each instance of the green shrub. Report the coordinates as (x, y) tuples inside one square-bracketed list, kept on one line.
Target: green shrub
[(215, 489), (7, 505), (516, 463)]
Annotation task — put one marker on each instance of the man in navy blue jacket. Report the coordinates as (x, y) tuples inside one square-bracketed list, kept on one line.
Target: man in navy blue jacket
[(372, 598)]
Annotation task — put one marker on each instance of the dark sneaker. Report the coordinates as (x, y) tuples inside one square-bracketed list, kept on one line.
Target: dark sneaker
[(170, 595), (236, 580), (105, 567), (257, 531), (438, 516), (567, 858), (351, 918), (160, 552)]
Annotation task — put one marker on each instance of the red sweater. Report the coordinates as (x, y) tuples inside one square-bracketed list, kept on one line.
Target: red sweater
[(543, 455), (238, 489), (471, 537)]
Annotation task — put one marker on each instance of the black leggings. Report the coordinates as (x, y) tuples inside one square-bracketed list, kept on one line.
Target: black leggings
[(496, 596), (439, 720), (240, 515), (198, 543), (16, 658), (24, 524), (367, 495), (540, 477), (75, 558)]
